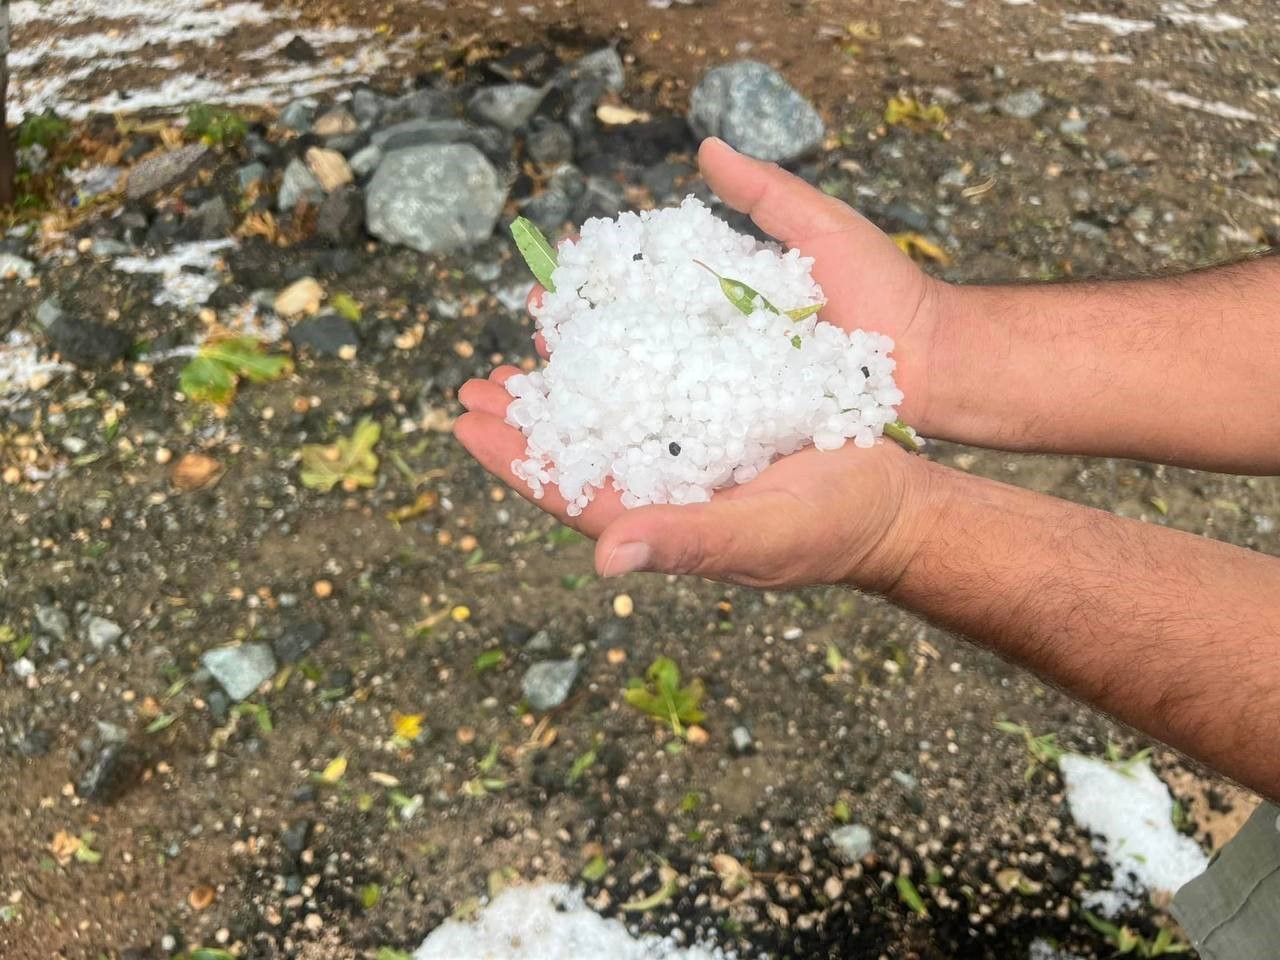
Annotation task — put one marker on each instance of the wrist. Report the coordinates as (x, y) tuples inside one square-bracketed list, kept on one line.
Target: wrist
[(921, 492)]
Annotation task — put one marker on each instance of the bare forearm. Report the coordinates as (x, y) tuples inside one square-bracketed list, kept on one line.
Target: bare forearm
[(1183, 370), (1174, 634)]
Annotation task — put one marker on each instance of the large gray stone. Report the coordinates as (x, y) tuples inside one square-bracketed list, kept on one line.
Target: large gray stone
[(508, 105), (1022, 104), (242, 669), (161, 172), (752, 108), (434, 197), (547, 684)]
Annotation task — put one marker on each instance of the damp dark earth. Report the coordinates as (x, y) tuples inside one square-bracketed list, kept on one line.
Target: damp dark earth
[(284, 673)]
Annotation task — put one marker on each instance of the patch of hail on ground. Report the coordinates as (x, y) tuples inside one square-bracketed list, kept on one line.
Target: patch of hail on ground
[(548, 922), (1130, 811), (1120, 26), (1044, 950), (1218, 108), (1181, 15), (153, 25), (21, 368), (179, 286), (1083, 58)]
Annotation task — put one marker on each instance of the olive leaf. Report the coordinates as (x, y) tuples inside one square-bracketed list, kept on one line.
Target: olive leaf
[(745, 298), (903, 434), (350, 462), (536, 250), (216, 370)]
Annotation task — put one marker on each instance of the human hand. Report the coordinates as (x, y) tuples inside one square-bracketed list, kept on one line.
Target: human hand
[(811, 517)]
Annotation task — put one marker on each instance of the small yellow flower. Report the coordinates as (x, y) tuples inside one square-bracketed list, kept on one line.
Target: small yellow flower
[(460, 613), (407, 726)]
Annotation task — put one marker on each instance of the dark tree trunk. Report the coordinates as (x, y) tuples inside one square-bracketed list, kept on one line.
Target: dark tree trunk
[(8, 162)]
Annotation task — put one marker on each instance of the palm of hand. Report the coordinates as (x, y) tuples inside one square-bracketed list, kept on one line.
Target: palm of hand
[(812, 516)]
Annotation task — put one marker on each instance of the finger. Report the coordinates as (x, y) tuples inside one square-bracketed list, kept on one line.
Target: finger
[(725, 539), (540, 344), (500, 375), (496, 445), (780, 203), (535, 297), (485, 396)]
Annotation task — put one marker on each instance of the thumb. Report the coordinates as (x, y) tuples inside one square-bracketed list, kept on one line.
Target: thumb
[(781, 204), (725, 539)]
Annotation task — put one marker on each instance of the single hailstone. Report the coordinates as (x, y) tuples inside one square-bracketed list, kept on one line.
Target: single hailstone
[(686, 357)]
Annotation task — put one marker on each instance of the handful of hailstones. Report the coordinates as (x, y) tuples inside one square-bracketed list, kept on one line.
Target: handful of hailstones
[(670, 380)]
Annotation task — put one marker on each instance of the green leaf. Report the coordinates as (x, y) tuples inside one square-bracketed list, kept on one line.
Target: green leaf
[(595, 869), (537, 252), (489, 660), (213, 374), (489, 760), (909, 895), (387, 953), (350, 462), (902, 434), (581, 765), (346, 307), (162, 722), (210, 953), (840, 812), (804, 313), (796, 341), (661, 697), (743, 297), (370, 894)]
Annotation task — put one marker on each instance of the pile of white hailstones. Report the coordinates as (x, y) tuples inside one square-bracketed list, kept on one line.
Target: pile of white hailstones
[(670, 376)]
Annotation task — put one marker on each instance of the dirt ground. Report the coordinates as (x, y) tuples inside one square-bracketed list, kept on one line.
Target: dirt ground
[(223, 830)]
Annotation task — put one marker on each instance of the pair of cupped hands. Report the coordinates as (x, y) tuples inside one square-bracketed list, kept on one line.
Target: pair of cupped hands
[(811, 517)]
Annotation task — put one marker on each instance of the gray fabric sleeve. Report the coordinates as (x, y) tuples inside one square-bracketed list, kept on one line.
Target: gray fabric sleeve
[(1232, 910)]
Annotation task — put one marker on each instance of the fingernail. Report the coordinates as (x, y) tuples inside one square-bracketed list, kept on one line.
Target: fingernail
[(627, 558), (717, 140)]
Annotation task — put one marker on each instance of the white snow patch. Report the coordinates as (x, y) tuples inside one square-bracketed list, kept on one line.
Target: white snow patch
[(1178, 98), (548, 922), (1183, 16), (1131, 812), (1084, 58), (20, 365), (1120, 26), (180, 287)]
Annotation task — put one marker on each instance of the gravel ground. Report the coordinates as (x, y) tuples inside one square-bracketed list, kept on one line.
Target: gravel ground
[(144, 813)]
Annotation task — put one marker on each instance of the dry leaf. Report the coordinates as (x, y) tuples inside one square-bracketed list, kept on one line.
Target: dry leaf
[(64, 847), (919, 248), (297, 299), (195, 471), (201, 897), (617, 115)]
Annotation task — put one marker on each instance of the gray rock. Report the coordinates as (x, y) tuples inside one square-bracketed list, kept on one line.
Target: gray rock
[(325, 336), (22, 668), (212, 220), (1076, 127), (420, 132), (112, 770), (547, 684), (36, 742), (52, 622), (161, 172), (252, 173), (49, 312), (240, 670), (1090, 231), (740, 741), (87, 343), (340, 219), (852, 842), (1022, 104), (752, 108), (298, 184), (540, 642), (508, 106), (432, 104), (298, 640), (101, 633), (106, 247), (551, 208), (602, 197), (299, 50), (366, 107), (435, 197), (295, 836), (13, 265), (586, 81), (550, 145), (299, 115), (366, 161)]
